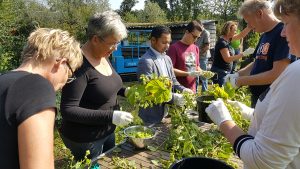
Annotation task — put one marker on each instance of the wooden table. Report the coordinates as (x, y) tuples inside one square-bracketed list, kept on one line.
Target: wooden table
[(143, 157)]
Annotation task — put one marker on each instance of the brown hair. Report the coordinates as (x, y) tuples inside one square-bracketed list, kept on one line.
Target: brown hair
[(286, 7), (227, 26), (194, 25)]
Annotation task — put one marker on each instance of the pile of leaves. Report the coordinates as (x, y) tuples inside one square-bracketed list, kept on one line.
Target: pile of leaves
[(228, 92), (122, 163), (186, 138), (151, 91)]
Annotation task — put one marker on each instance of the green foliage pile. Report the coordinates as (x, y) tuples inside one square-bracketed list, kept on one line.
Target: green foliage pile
[(186, 139), (151, 91), (122, 163)]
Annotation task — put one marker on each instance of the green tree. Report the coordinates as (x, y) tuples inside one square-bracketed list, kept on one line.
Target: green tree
[(130, 17), (162, 4), (152, 13), (224, 10), (70, 15), (182, 10), (67, 14), (126, 6), (14, 28)]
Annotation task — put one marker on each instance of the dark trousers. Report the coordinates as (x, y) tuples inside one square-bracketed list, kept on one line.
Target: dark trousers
[(219, 78), (253, 100), (96, 147)]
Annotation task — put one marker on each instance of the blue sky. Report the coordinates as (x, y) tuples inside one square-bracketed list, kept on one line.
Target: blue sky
[(115, 4)]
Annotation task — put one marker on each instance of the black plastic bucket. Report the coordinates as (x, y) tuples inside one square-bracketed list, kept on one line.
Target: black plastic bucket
[(202, 103), (200, 163)]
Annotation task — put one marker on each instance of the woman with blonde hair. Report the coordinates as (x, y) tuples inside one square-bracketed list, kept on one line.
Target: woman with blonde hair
[(273, 139), (27, 105), (224, 54)]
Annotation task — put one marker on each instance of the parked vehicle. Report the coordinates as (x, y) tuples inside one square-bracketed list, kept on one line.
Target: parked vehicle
[(125, 59)]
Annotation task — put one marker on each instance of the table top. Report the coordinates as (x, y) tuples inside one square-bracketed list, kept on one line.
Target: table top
[(143, 157)]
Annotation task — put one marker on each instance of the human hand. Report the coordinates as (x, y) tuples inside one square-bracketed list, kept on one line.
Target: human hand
[(195, 73), (121, 118), (248, 51), (247, 112), (178, 99), (218, 112), (187, 90), (229, 76), (207, 74)]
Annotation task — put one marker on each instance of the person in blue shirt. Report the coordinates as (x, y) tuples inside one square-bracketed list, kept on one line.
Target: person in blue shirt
[(271, 53)]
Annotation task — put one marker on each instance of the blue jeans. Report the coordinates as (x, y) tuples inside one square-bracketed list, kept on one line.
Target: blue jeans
[(96, 148), (203, 66), (219, 78)]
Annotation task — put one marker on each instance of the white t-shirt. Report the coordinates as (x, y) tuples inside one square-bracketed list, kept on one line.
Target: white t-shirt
[(276, 125)]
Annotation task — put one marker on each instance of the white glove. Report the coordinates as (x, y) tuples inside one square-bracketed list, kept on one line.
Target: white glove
[(121, 118), (126, 91), (187, 90), (218, 112), (178, 99), (195, 73), (229, 76), (232, 81), (248, 51), (247, 112), (166, 111)]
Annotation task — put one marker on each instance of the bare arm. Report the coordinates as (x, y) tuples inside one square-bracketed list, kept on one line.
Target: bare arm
[(180, 73), (246, 70), (231, 131), (266, 77), (35, 140), (242, 34), (226, 56)]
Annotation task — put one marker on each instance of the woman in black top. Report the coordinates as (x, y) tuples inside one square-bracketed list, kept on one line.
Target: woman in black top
[(224, 53), (27, 99), (89, 104)]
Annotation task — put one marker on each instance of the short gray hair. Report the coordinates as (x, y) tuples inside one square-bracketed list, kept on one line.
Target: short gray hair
[(251, 6), (106, 24)]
